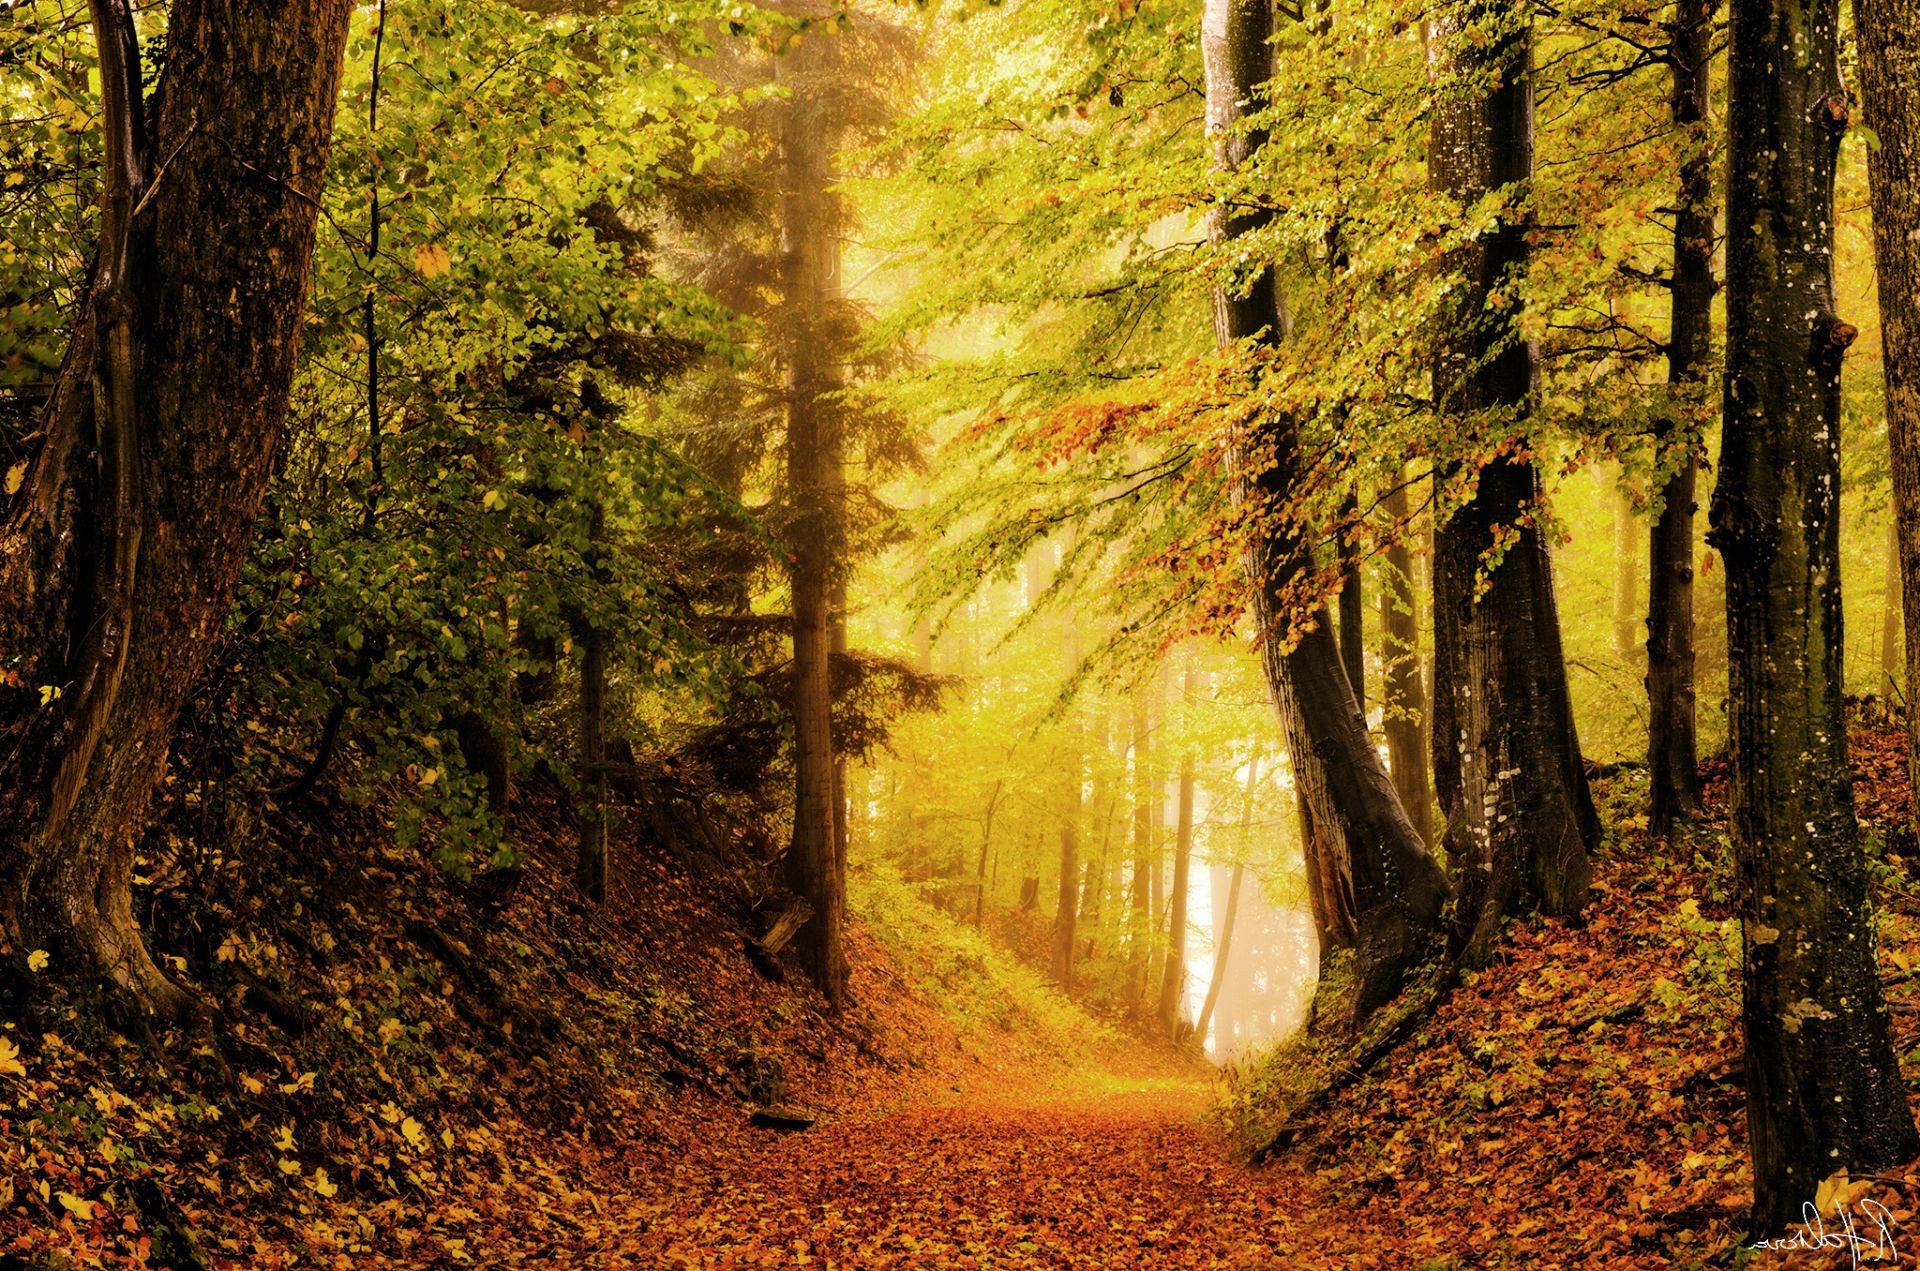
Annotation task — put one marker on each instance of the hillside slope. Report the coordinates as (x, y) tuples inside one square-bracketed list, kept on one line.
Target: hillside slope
[(405, 1070)]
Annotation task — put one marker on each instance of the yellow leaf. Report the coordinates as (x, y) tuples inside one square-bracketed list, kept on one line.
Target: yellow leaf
[(81, 1209), (252, 1085), (16, 477), (432, 260), (284, 1140), (10, 1058), (415, 1133), (37, 960), (1832, 1191), (320, 1184), (289, 1167)]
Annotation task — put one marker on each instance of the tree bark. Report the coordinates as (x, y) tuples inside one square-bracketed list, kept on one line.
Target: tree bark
[(1223, 938), (119, 557), (1403, 695), (1395, 890), (1824, 1091), (1626, 575), (1889, 67), (1173, 981), (1066, 906), (811, 249), (1890, 614), (1673, 766), (1520, 818), (592, 870), (1352, 607), (1139, 906)]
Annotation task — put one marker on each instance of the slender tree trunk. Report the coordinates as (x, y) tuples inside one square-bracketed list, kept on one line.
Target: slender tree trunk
[(811, 251), (1140, 912), (1824, 1091), (1521, 820), (1626, 576), (1091, 908), (1352, 607), (1890, 614), (1223, 938), (986, 854), (593, 868), (1066, 907), (1890, 80), (119, 556), (1673, 766), (1403, 695), (1173, 982), (1395, 890)]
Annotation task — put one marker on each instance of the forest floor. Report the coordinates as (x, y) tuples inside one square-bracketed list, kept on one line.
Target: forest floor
[(403, 1074)]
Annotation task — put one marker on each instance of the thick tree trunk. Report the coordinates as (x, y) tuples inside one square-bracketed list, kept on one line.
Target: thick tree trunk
[(1673, 767), (1173, 981), (1890, 80), (119, 557), (1395, 891), (811, 249), (1824, 1091), (1521, 820), (1403, 695)]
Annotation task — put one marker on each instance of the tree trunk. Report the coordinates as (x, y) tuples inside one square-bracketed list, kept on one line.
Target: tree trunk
[(1521, 820), (1352, 607), (811, 249), (1065, 914), (1395, 890), (1223, 938), (119, 557), (592, 869), (1140, 912), (1824, 1091), (1626, 576), (1673, 766), (1403, 695), (1091, 898), (1173, 981), (1890, 615), (1890, 80)]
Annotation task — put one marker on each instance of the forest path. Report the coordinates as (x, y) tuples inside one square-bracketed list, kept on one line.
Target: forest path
[(1135, 1177)]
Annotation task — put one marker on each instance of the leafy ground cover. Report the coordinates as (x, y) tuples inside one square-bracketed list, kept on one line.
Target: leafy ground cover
[(400, 1076)]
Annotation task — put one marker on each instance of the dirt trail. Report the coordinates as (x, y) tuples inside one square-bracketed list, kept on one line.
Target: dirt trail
[(1131, 1179)]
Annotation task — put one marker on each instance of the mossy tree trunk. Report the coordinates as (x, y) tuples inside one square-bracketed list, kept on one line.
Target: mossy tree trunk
[(1823, 1084), (119, 557)]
